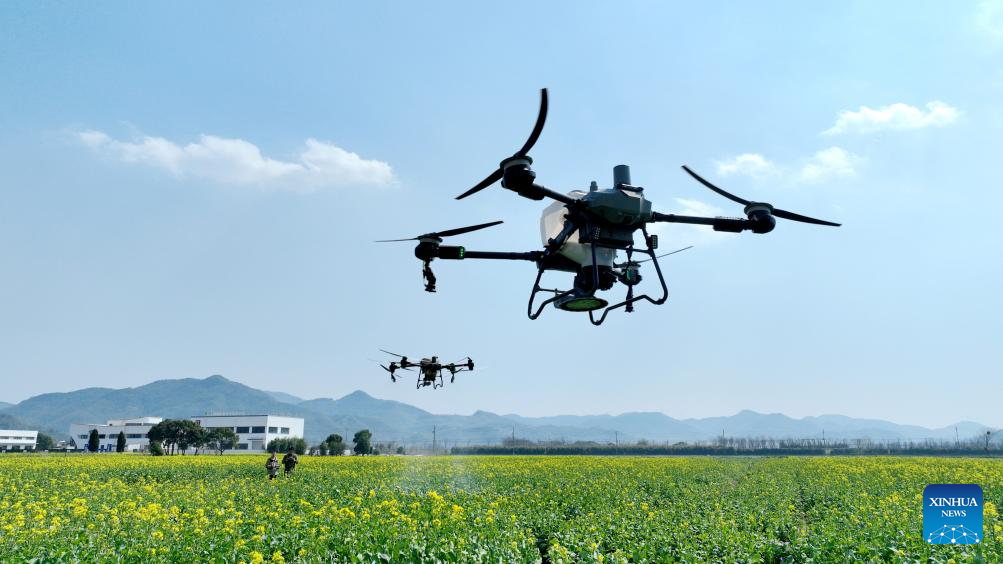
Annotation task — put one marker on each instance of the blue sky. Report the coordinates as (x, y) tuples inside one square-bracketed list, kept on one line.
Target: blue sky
[(193, 189)]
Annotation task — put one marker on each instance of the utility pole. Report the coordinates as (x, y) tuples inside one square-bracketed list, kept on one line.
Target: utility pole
[(433, 439), (957, 439)]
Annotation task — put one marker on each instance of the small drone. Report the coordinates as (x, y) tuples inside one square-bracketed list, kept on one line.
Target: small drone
[(430, 369), (583, 231)]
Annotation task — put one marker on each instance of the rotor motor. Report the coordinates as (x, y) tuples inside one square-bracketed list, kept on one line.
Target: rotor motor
[(761, 216)]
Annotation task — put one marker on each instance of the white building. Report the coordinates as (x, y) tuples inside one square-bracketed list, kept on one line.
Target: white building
[(11, 439), (135, 433), (254, 431)]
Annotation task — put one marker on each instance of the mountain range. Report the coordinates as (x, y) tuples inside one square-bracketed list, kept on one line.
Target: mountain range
[(396, 421)]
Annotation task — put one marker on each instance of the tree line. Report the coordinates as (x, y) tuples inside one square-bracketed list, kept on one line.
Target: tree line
[(724, 446), (177, 436)]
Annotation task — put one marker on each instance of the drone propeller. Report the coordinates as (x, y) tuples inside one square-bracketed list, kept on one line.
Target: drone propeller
[(446, 233), (392, 377), (636, 262), (393, 354), (495, 176), (773, 211)]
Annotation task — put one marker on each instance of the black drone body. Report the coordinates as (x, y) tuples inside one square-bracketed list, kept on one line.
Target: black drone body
[(584, 230), (429, 369)]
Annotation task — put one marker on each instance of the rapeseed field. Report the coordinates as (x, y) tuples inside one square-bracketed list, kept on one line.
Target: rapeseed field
[(209, 508)]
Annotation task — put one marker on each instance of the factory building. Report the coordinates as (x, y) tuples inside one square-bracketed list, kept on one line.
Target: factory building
[(135, 430), (17, 440), (254, 431)]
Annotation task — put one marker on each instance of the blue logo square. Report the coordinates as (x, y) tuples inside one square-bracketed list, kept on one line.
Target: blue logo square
[(952, 514)]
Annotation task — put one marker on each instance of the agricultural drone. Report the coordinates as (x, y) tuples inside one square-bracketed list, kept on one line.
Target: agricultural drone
[(583, 231), (429, 369)]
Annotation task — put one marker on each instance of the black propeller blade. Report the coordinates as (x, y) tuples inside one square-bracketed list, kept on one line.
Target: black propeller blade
[(393, 354), (774, 211), (446, 233), (495, 176)]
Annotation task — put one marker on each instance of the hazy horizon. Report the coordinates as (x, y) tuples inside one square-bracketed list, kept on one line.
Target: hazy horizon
[(544, 414)]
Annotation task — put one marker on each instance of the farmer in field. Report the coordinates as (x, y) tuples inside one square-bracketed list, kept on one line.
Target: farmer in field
[(290, 461), (272, 466)]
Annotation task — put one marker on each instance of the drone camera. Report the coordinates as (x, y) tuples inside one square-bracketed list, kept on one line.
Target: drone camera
[(630, 276), (584, 281)]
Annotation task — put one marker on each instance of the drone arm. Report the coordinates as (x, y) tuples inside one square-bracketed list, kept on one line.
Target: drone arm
[(532, 256), (727, 224), (544, 192)]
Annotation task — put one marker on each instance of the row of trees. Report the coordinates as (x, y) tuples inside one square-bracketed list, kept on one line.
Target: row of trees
[(980, 444), (178, 435), (283, 444), (334, 444), (94, 441)]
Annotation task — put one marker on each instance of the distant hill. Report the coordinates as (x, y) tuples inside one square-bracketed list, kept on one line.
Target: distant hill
[(9, 422), (165, 398), (4, 405), (400, 422), (284, 397)]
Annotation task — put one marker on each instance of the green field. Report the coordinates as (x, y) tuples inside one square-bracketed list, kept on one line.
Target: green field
[(498, 509)]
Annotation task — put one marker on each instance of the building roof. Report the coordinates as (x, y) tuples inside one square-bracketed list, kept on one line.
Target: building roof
[(147, 420)]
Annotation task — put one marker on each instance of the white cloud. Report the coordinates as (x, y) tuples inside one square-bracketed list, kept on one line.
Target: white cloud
[(238, 162), (748, 164), (894, 117), (989, 18), (688, 206), (830, 163)]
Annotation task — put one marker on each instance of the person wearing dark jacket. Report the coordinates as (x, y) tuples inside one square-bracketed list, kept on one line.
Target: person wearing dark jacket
[(290, 461)]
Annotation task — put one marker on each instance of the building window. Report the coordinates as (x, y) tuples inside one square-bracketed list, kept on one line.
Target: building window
[(243, 430), (285, 430), (82, 436), (100, 436), (134, 436), (257, 429), (241, 446), (273, 429)]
